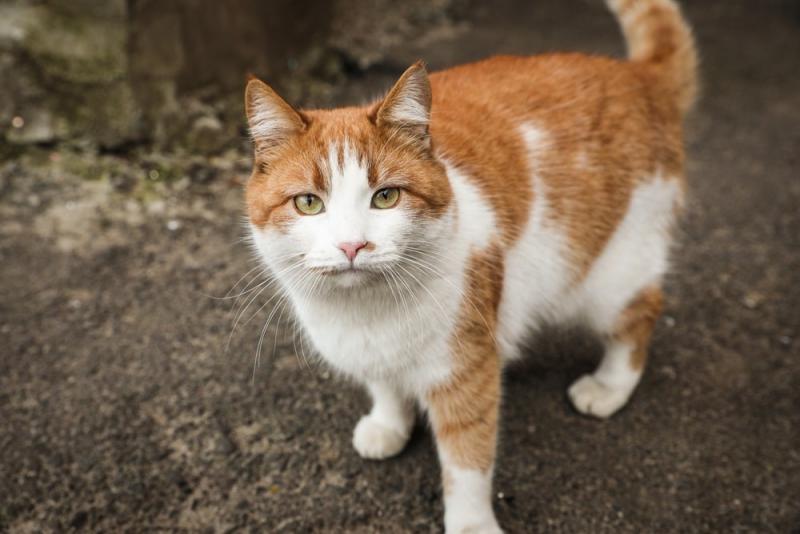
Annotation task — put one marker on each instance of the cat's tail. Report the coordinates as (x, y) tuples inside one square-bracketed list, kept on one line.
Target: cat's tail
[(658, 35)]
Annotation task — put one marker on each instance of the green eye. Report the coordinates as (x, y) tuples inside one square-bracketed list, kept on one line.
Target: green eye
[(386, 198), (308, 204)]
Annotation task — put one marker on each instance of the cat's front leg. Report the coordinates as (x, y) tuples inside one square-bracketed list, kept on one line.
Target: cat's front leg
[(464, 415), (385, 430)]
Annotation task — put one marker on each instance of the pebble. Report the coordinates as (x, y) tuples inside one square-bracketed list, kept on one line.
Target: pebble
[(668, 372), (157, 206), (752, 299)]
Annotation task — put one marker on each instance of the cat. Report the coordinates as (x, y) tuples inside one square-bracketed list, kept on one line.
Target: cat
[(422, 237)]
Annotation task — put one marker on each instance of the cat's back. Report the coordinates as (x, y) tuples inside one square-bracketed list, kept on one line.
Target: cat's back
[(587, 129), (479, 109), (522, 84)]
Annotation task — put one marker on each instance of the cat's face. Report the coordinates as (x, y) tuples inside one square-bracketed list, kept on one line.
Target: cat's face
[(349, 197)]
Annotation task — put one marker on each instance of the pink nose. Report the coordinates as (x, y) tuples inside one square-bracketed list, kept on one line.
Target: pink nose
[(351, 248)]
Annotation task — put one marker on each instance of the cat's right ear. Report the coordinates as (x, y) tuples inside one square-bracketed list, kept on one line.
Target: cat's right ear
[(272, 120)]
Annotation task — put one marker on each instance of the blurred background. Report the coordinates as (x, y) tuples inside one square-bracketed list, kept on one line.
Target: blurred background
[(130, 398)]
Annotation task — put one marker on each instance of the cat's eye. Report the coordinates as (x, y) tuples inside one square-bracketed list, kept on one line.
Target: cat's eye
[(308, 204), (386, 198)]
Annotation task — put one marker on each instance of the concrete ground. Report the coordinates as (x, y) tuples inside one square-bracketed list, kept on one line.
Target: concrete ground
[(122, 411)]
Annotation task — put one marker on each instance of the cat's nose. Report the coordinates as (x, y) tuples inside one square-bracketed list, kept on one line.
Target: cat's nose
[(351, 248)]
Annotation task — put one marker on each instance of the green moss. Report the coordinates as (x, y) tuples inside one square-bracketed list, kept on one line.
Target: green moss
[(76, 48), (10, 151)]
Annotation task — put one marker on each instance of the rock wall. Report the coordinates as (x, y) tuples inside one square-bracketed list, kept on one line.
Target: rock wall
[(64, 72), (119, 72)]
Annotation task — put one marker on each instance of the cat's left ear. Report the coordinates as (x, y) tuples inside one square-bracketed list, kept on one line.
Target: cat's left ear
[(408, 104)]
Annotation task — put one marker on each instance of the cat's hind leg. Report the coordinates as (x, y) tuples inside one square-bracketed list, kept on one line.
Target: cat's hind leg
[(605, 391), (385, 430)]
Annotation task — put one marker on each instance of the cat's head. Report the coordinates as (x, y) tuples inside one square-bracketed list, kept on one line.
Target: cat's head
[(346, 197)]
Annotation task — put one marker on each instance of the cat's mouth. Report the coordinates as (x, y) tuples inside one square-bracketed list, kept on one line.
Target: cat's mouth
[(343, 270), (331, 269), (346, 269), (348, 276)]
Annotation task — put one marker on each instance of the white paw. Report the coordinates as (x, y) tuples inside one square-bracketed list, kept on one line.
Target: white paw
[(484, 527), (377, 441), (590, 397)]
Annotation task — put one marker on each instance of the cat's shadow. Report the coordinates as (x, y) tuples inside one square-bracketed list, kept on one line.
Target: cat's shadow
[(554, 357)]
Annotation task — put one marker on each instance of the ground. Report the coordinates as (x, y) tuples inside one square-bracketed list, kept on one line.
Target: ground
[(122, 410)]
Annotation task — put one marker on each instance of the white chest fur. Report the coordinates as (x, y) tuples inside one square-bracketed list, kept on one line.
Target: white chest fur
[(376, 336)]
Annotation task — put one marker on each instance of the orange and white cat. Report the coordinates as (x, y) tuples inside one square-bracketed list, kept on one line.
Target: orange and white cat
[(421, 238)]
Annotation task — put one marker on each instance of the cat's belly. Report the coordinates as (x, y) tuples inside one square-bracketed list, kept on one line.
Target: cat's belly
[(539, 278)]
